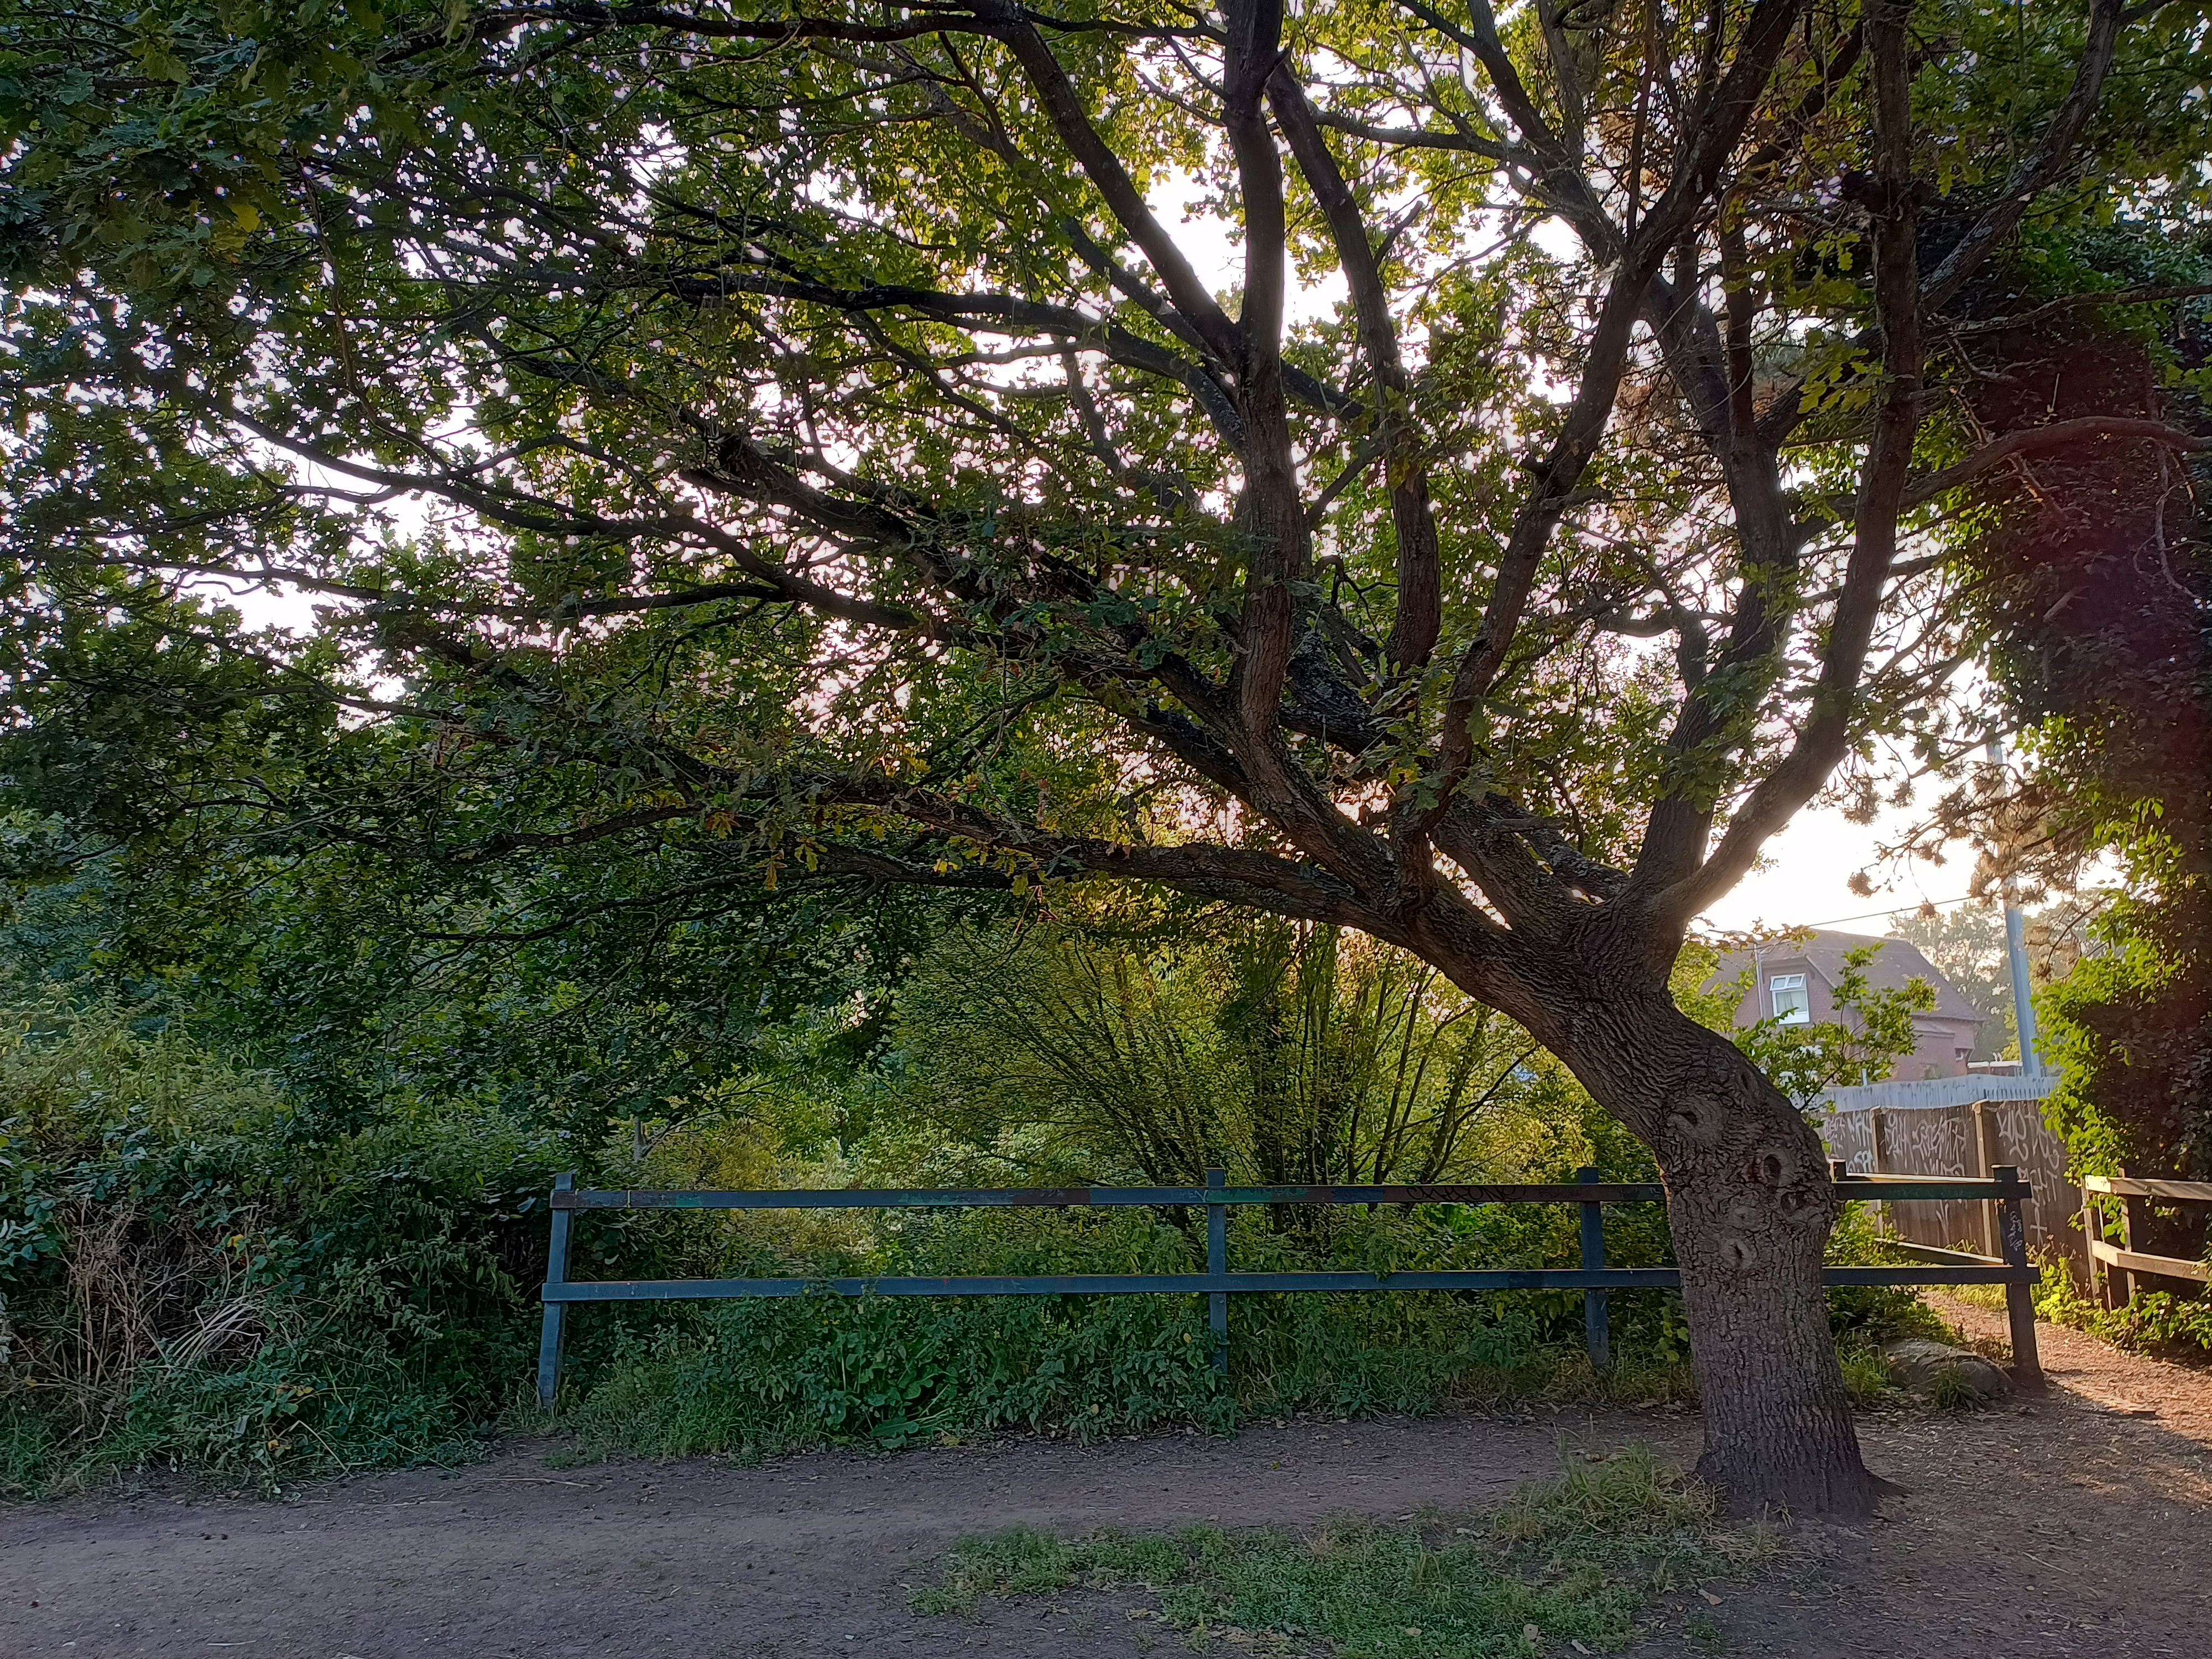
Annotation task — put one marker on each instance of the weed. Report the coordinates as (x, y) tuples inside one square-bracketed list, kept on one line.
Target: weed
[(197, 1276), (1570, 1561), (1866, 1373), (1949, 1390)]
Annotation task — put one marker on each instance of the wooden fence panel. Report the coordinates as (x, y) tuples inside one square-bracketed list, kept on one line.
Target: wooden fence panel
[(1939, 1142), (2030, 1143), (1964, 1140), (1850, 1136)]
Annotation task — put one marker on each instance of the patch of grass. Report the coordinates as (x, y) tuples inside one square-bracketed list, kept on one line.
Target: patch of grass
[(1950, 1391), (1570, 1561), (1981, 1295), (1866, 1373), (1019, 1561)]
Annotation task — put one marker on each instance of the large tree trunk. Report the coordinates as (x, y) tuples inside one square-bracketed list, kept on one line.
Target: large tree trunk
[(1750, 1204)]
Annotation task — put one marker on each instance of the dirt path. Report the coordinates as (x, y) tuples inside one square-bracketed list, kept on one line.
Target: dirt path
[(2073, 1520), (801, 1557), (2178, 1396), (2065, 1525)]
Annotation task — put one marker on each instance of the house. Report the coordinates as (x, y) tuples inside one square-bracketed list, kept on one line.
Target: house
[(1794, 980)]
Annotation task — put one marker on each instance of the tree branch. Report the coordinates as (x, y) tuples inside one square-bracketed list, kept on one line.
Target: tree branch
[(2058, 435), (1824, 737), (1716, 127), (1420, 578), (2039, 170), (1104, 169)]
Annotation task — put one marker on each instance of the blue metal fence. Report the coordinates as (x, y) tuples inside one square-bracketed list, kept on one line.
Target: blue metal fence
[(1217, 1283)]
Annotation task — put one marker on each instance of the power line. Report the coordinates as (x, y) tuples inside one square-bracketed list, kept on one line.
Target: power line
[(1905, 909), (1901, 910)]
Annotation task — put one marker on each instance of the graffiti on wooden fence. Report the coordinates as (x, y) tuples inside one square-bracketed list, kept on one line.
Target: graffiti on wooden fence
[(1967, 1139)]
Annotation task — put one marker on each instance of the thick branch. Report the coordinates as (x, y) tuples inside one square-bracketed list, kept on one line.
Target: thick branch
[(1717, 125), (2059, 435), (2152, 293), (1420, 579), (1010, 313), (2039, 170), (1111, 179), (1822, 741)]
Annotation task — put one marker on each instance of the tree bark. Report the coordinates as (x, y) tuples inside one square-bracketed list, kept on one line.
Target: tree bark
[(1750, 1206)]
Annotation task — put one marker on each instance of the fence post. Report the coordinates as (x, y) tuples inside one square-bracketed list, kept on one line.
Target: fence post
[(2020, 1299), (2128, 1284), (556, 1313), (1217, 1261), (2092, 1234), (1596, 1327), (1877, 1165), (1987, 1148)]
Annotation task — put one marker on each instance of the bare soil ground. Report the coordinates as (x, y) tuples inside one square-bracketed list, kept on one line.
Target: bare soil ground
[(2077, 1521)]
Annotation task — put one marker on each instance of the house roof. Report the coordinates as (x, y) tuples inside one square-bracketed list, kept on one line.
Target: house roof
[(1823, 952)]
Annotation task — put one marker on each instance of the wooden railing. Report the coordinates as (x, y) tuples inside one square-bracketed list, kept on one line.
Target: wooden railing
[(2122, 1261)]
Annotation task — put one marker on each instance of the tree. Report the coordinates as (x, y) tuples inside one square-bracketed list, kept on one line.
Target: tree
[(1152, 1047), (798, 439), (2092, 573), (1966, 944), (368, 987)]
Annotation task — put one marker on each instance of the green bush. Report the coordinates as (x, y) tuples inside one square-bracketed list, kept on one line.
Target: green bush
[(191, 1277), (196, 1274), (767, 1375), (1864, 1315), (2155, 1322)]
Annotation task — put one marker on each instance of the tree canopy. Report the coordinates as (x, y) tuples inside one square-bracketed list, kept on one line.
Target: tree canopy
[(680, 411), (780, 443), (2095, 573)]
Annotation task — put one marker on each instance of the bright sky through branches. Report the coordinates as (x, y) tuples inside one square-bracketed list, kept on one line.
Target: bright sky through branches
[(1806, 877)]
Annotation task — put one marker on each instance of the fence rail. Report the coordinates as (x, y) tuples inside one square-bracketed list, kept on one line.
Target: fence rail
[(1217, 1283), (1906, 1128), (2122, 1261)]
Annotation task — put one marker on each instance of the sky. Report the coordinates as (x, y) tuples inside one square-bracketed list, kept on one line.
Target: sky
[(1808, 869)]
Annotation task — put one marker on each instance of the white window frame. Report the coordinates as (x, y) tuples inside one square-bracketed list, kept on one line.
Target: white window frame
[(1799, 1012)]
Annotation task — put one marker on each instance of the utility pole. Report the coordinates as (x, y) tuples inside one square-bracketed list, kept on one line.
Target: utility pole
[(2023, 1009)]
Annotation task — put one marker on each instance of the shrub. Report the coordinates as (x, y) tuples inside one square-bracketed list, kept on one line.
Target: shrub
[(190, 1277), (2155, 1322)]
